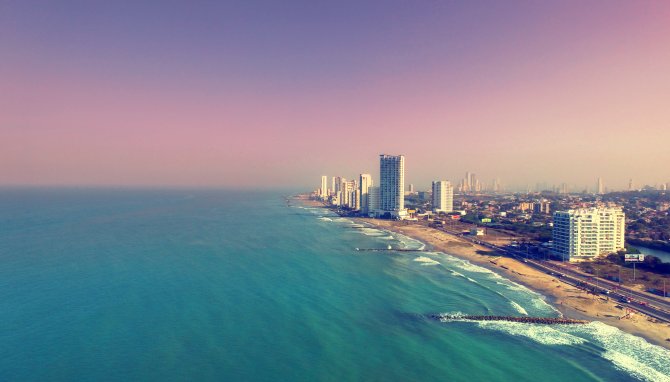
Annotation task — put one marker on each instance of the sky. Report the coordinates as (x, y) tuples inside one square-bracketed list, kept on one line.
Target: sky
[(265, 94)]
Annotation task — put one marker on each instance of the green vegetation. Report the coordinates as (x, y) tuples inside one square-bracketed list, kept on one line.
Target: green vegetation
[(651, 272)]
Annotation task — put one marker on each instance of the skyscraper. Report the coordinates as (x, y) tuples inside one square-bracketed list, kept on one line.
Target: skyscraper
[(443, 196), (324, 187), (392, 185), (338, 191), (346, 188), (373, 201), (365, 184)]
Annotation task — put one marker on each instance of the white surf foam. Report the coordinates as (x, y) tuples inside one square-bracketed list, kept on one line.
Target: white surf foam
[(630, 354), (544, 334), (325, 219), (518, 308), (409, 243), (426, 260), (372, 232), (627, 352)]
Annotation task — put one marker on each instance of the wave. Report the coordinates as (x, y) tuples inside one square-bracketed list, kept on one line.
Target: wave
[(323, 218), (543, 334), (410, 243), (627, 352), (426, 260), (518, 308), (372, 232)]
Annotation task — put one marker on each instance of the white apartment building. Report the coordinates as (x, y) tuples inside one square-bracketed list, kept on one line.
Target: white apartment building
[(443, 196), (323, 193), (392, 185), (583, 234), (373, 201), (365, 182)]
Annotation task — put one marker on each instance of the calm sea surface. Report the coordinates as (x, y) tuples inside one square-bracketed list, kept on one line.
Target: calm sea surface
[(119, 285)]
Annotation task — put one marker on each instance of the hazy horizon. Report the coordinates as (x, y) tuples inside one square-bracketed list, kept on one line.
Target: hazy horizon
[(269, 94)]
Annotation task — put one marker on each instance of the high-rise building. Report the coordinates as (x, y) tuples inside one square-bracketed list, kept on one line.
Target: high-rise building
[(323, 192), (346, 187), (392, 185), (353, 201), (356, 200), (443, 196), (373, 201), (365, 182), (600, 187), (630, 185), (583, 234), (339, 190)]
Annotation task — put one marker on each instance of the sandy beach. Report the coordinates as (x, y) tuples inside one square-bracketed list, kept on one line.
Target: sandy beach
[(572, 302)]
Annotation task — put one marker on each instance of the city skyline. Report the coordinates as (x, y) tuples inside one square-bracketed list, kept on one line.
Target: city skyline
[(238, 95)]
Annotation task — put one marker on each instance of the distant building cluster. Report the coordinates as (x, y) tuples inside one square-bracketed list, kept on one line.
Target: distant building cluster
[(388, 198), (471, 184)]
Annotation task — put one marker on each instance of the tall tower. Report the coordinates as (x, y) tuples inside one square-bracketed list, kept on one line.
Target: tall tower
[(443, 196), (365, 184), (392, 185), (324, 187)]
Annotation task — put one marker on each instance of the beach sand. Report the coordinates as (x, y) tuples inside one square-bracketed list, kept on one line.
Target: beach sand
[(572, 302)]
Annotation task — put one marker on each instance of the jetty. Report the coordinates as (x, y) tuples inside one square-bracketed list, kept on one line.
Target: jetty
[(524, 319)]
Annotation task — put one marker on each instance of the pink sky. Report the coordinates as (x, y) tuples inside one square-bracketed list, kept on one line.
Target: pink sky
[(527, 93)]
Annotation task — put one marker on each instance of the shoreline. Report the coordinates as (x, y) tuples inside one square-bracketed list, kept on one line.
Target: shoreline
[(566, 299)]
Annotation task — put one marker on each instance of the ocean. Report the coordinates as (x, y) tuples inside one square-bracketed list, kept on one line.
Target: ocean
[(216, 285)]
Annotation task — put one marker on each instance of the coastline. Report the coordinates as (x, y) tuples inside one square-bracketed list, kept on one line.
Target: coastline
[(570, 301)]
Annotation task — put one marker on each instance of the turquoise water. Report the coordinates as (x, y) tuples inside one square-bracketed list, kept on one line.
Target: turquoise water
[(224, 285)]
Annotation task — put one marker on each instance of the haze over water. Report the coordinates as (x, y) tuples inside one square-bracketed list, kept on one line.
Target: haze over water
[(224, 285)]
